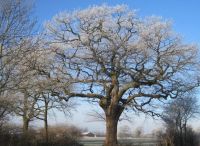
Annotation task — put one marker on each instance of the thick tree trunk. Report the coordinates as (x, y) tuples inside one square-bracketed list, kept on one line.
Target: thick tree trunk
[(113, 111), (111, 131)]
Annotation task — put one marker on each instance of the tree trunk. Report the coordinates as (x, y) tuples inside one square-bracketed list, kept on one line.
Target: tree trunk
[(46, 123), (185, 133), (25, 130), (111, 131), (181, 135), (25, 125), (25, 114)]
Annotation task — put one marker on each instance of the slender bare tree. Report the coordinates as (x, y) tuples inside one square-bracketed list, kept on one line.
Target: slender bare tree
[(125, 132), (16, 26), (48, 102), (36, 90), (176, 116), (26, 107), (111, 56)]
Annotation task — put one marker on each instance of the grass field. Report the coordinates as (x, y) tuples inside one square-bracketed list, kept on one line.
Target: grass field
[(98, 141)]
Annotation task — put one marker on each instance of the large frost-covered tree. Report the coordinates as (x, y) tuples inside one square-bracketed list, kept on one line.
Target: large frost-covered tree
[(113, 57)]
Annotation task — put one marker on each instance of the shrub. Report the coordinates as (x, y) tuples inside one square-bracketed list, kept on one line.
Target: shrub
[(13, 136)]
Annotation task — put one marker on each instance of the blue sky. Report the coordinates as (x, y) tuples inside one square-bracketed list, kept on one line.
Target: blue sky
[(185, 15)]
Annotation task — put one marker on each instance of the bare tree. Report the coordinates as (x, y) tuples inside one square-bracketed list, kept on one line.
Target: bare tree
[(26, 91), (124, 132), (38, 86), (16, 26), (46, 87), (176, 116), (138, 132), (6, 107), (112, 57), (26, 107), (48, 102)]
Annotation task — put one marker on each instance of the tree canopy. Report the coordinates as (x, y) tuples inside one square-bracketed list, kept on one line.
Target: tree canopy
[(111, 55)]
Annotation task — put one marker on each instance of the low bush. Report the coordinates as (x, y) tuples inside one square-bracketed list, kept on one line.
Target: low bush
[(15, 137)]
